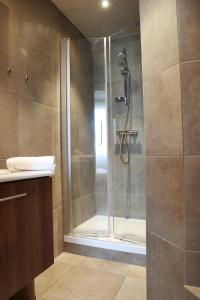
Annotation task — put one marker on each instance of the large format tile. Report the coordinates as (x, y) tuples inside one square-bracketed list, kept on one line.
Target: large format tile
[(62, 264), (192, 268), (97, 284), (192, 209), (40, 25), (9, 128), (137, 272), (165, 203), (36, 128), (162, 114), (165, 272), (190, 89), (9, 58), (132, 288), (188, 27), (42, 73), (158, 21), (87, 176), (107, 266)]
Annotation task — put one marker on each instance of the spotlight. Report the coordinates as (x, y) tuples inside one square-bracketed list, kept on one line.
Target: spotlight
[(105, 3)]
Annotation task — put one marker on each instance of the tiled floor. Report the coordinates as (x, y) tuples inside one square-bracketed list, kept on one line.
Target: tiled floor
[(75, 277), (129, 229)]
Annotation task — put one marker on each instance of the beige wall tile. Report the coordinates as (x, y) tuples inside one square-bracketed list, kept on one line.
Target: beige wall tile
[(9, 58), (3, 164), (36, 128), (77, 212), (43, 75), (188, 27), (88, 208), (190, 89), (60, 234), (9, 125), (165, 272), (192, 209), (162, 114), (55, 231), (158, 36), (165, 203), (192, 268), (39, 26)]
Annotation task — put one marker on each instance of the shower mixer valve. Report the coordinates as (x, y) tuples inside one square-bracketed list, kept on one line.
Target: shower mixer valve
[(121, 99), (131, 132)]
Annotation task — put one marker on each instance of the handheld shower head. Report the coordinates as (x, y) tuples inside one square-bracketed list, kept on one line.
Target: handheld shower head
[(122, 54)]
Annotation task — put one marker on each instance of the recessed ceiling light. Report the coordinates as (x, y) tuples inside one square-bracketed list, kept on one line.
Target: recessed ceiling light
[(105, 3)]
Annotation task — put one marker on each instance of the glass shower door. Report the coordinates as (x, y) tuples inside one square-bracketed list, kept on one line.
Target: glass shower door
[(87, 138), (127, 154)]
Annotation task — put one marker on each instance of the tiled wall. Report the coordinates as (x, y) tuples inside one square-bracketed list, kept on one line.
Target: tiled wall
[(189, 51), (30, 33), (170, 54)]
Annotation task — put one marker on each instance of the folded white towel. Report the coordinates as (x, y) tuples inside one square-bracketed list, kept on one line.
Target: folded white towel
[(40, 163)]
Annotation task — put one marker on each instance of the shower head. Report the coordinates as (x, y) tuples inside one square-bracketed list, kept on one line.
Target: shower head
[(122, 54)]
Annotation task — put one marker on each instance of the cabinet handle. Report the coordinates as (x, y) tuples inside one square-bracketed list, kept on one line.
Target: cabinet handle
[(13, 197)]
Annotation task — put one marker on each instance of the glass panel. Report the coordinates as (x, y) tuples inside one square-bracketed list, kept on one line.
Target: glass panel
[(89, 138), (128, 171)]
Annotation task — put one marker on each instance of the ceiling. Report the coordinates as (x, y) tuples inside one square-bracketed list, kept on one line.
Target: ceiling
[(94, 21)]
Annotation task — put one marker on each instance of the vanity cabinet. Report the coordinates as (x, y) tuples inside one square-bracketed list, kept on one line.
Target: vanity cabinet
[(26, 233)]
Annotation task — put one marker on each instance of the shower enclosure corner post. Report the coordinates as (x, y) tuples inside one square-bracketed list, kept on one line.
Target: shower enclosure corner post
[(66, 134)]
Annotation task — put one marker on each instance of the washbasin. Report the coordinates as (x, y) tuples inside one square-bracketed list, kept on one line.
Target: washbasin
[(4, 172)]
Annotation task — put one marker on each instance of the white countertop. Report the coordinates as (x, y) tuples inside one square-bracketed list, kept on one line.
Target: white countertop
[(6, 175)]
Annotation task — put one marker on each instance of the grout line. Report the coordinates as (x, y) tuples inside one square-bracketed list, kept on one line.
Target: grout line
[(167, 241)]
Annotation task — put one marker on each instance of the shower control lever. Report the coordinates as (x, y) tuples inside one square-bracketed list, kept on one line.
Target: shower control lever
[(121, 99), (132, 132)]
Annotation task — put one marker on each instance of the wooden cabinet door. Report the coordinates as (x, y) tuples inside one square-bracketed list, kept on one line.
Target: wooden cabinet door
[(27, 233)]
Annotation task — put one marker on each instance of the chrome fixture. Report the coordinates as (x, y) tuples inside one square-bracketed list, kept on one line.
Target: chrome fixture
[(126, 100), (26, 78), (10, 70), (130, 132)]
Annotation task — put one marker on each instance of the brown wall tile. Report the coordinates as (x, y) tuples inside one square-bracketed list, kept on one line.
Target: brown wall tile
[(188, 26), (192, 268), (165, 270), (158, 36), (165, 203), (9, 125), (162, 114), (190, 88), (36, 128), (192, 207)]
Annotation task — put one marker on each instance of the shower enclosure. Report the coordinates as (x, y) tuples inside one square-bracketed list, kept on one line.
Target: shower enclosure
[(102, 139)]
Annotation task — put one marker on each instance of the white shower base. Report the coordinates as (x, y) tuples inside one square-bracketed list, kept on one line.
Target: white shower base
[(128, 235)]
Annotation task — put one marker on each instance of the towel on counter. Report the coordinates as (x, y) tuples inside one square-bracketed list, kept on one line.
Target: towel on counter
[(40, 163)]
